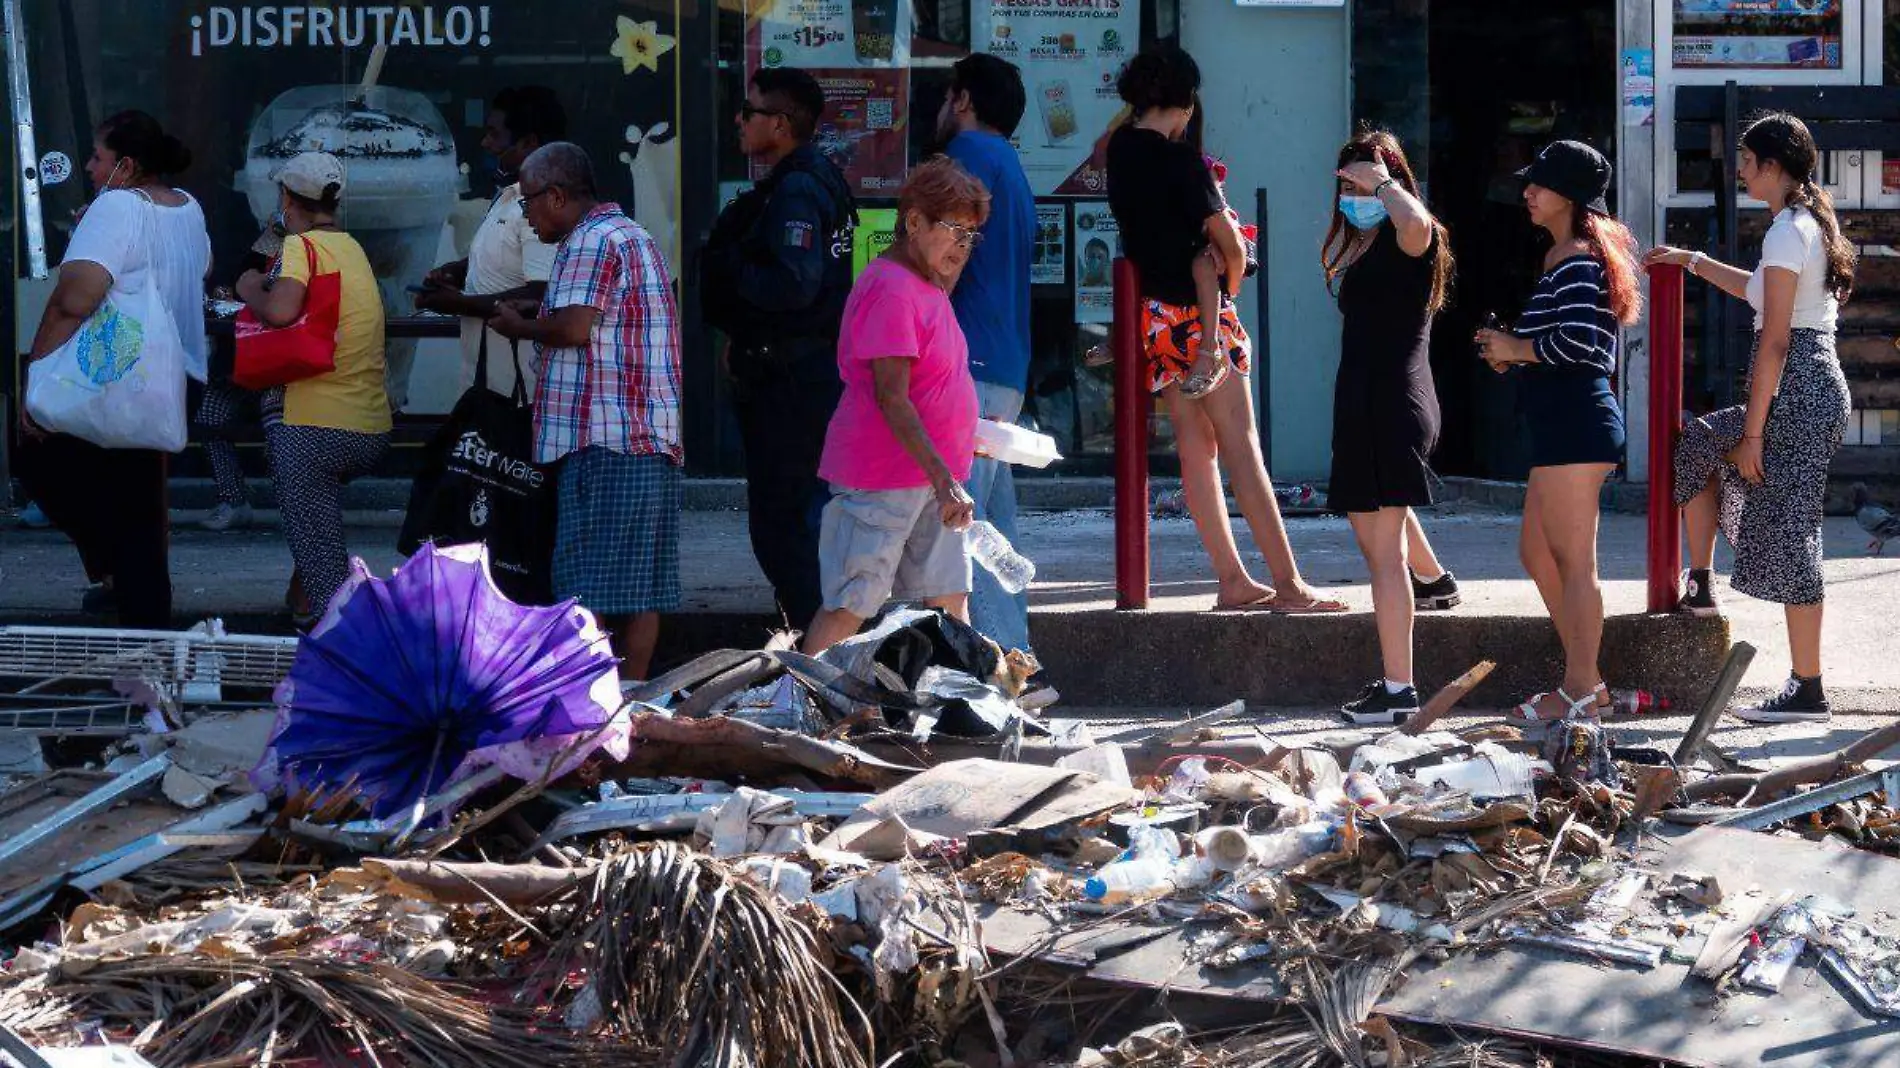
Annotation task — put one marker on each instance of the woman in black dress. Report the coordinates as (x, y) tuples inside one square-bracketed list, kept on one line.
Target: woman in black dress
[(1390, 263)]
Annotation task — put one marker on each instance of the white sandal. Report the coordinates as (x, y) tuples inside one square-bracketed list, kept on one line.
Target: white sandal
[(1525, 715), (1200, 384)]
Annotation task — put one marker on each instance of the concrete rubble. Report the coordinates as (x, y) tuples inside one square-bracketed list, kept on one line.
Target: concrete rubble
[(880, 857)]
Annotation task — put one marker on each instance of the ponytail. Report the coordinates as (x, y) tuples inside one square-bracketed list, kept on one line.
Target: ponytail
[(1612, 244), (1840, 252)]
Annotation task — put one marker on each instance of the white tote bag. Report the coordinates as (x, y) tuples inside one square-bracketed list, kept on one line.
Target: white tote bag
[(119, 381)]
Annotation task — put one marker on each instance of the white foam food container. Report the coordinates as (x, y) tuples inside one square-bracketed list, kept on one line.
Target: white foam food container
[(1013, 444)]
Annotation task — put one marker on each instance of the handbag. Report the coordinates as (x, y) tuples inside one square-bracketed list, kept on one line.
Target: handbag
[(119, 381), (277, 356), (479, 483)]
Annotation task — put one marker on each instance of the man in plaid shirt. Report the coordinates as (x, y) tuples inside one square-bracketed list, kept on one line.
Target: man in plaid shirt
[(607, 407)]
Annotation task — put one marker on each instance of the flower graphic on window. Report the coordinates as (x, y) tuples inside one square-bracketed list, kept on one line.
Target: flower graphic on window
[(639, 44)]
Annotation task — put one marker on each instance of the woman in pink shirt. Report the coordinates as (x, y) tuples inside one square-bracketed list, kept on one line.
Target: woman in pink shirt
[(900, 444)]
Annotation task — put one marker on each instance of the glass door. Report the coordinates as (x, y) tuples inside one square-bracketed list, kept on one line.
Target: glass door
[(1881, 175)]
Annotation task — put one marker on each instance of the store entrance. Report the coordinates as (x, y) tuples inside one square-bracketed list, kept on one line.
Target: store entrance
[(1505, 79), (1473, 89)]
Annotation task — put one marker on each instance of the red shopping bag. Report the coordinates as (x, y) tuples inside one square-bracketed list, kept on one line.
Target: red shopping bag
[(277, 356)]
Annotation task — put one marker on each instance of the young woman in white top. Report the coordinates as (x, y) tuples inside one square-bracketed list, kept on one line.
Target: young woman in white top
[(111, 502), (1758, 472)]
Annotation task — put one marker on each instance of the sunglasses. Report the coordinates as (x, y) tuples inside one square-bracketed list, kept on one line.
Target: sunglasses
[(749, 111), (967, 237)]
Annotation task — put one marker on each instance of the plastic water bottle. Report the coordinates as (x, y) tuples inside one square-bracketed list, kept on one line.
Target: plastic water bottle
[(1150, 859), (1014, 571)]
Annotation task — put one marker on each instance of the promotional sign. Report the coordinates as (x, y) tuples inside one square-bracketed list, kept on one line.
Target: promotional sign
[(1721, 9), (1765, 53), (1070, 53), (1639, 86), (830, 33), (877, 229), (859, 50), (1050, 267), (1098, 240)]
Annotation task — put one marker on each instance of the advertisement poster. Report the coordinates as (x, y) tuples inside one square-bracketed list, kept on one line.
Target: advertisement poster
[(1890, 177), (1760, 53), (830, 33), (1051, 264), (859, 50), (877, 230), (1639, 86), (1070, 53), (1711, 10), (1097, 242)]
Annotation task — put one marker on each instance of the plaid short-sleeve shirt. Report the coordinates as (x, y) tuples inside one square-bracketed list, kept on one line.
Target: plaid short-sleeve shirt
[(622, 391)]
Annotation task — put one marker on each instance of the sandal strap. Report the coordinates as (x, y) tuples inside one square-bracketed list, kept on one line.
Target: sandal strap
[(1575, 706)]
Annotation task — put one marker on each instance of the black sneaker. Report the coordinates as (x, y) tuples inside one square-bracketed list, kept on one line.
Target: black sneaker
[(1697, 598), (1377, 705), (1438, 595), (1800, 701)]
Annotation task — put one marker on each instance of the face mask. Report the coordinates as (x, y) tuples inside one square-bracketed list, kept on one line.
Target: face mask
[(1363, 212)]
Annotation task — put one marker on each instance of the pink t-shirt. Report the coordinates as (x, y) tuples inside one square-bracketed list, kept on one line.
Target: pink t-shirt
[(892, 312)]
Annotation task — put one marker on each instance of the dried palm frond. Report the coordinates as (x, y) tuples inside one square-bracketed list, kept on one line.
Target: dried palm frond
[(236, 1012), (678, 951)]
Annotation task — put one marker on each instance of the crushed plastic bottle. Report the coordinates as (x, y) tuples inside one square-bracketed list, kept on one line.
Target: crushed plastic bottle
[(1188, 782), (1151, 857), (1014, 571), (1637, 703)]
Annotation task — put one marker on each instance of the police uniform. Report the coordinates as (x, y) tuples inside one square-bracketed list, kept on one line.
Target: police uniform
[(774, 278)]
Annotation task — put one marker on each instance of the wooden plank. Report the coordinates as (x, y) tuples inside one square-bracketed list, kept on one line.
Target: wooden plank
[(1662, 1013), (1815, 104), (1828, 136), (1877, 276), (1877, 393), (1690, 228), (1872, 350)]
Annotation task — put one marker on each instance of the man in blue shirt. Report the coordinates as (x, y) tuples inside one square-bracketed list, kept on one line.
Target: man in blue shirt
[(985, 102)]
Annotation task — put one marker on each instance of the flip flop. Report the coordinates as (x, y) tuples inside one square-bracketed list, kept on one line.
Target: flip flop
[(1263, 603), (1318, 606)]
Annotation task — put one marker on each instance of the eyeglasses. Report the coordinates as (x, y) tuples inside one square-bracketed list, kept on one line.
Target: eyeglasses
[(967, 236), (747, 111), (528, 198)]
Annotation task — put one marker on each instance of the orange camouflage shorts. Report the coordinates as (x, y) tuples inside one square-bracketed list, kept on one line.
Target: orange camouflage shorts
[(1173, 340)]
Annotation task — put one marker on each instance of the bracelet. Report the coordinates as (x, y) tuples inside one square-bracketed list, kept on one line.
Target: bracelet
[(1380, 188), (1695, 259)]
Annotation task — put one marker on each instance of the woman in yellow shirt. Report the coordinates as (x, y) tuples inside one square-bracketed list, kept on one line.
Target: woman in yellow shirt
[(326, 430)]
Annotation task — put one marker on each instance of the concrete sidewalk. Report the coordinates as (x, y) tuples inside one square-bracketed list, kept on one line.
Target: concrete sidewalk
[(241, 576)]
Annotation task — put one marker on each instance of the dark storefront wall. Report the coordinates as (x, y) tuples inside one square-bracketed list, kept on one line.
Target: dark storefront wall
[(1473, 89)]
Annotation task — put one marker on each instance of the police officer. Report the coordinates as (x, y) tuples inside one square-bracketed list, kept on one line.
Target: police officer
[(773, 278)]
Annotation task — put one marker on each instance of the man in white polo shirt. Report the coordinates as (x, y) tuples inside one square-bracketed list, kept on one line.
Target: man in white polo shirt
[(506, 261)]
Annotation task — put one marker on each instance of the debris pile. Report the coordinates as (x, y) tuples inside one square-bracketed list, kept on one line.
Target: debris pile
[(446, 836)]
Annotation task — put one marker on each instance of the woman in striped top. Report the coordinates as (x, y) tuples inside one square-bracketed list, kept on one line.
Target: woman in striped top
[(1566, 345)]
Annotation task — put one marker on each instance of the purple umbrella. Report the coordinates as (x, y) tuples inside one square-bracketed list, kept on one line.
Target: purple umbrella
[(410, 682)]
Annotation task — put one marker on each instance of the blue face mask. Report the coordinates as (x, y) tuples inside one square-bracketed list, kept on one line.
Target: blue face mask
[(1363, 212)]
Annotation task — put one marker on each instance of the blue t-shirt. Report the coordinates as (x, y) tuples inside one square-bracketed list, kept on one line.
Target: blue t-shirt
[(992, 298)]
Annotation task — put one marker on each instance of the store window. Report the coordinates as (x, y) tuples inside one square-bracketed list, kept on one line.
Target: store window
[(1758, 35), (885, 66), (244, 86)]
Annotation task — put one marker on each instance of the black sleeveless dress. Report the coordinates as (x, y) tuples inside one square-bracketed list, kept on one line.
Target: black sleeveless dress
[(1385, 408)]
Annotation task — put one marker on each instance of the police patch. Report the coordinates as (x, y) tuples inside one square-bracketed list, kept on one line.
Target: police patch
[(798, 234)]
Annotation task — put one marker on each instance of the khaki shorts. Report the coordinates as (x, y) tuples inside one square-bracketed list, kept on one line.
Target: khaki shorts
[(877, 544)]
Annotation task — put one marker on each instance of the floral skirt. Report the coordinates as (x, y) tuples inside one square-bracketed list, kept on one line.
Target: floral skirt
[(1172, 334)]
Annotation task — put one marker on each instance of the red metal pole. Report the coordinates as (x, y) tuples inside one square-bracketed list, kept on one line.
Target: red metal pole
[(1132, 402), (1665, 425)]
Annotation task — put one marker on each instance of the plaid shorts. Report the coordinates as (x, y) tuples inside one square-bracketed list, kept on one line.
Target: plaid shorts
[(617, 538)]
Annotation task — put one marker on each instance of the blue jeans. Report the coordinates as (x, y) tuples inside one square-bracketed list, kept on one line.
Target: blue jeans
[(1002, 616)]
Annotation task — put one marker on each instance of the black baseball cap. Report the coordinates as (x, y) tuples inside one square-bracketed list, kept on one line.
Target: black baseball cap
[(1572, 170)]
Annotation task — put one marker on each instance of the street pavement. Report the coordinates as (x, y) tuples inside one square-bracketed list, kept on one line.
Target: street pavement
[(243, 573)]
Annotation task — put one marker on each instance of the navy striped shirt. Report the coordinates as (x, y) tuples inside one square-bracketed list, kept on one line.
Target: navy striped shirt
[(1568, 320)]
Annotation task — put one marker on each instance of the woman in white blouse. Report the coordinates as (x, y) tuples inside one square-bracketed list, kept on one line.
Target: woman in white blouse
[(1758, 471), (111, 502)]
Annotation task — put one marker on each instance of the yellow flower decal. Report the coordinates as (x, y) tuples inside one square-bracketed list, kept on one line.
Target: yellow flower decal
[(639, 44)]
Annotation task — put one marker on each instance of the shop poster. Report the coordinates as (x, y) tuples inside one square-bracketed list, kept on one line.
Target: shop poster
[(1639, 86), (1722, 9), (875, 233), (1050, 267), (859, 50), (1757, 53), (1070, 54), (1098, 241)]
